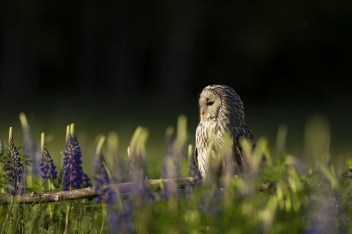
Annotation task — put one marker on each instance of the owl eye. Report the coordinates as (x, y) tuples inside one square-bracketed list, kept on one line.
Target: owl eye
[(209, 103)]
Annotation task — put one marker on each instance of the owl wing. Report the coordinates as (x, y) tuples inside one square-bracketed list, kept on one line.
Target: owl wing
[(242, 132), (195, 156), (201, 147)]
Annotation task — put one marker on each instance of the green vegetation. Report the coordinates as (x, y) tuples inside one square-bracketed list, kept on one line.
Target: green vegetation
[(281, 195)]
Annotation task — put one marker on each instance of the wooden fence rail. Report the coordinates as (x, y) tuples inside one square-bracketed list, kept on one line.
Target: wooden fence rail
[(121, 188)]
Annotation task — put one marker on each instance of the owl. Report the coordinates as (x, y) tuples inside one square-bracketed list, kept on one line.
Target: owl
[(221, 110)]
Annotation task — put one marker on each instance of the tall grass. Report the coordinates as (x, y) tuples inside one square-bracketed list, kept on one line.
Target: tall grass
[(278, 195)]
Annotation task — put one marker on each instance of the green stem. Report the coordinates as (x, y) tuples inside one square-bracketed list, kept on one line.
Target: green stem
[(8, 215), (66, 221), (104, 217), (49, 184)]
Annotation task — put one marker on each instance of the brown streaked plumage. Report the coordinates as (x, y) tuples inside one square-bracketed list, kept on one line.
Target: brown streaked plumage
[(221, 110)]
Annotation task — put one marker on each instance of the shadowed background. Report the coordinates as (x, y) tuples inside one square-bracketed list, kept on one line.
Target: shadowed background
[(114, 66)]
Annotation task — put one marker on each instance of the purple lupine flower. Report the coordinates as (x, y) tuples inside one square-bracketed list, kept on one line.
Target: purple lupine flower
[(171, 167), (85, 181), (14, 168), (115, 161), (101, 178), (72, 169), (137, 174), (29, 145), (313, 229), (47, 167), (136, 169), (193, 170), (73, 175), (136, 154), (120, 168), (77, 151), (120, 220)]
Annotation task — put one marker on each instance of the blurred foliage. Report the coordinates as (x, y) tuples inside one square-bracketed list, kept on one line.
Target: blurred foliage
[(279, 194)]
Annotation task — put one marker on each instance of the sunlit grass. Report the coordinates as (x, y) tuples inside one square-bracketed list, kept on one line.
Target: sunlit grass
[(282, 194)]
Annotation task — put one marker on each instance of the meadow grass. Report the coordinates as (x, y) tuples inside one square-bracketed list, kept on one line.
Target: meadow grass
[(280, 195)]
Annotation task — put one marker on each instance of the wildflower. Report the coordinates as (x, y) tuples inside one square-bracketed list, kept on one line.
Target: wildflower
[(85, 181), (171, 167), (73, 175), (14, 168), (193, 170), (120, 220), (29, 145), (114, 160), (136, 154), (101, 178), (72, 170), (47, 167), (137, 175)]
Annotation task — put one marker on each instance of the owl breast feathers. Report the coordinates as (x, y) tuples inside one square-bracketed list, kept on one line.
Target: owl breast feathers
[(221, 111)]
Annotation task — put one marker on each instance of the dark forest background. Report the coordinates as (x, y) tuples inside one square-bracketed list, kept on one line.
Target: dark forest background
[(265, 50), (150, 60)]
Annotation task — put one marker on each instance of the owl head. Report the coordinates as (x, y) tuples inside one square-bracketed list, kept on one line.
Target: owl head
[(220, 103)]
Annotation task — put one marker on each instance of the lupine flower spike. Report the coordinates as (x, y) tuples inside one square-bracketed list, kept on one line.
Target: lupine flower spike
[(170, 166), (168, 170), (193, 171), (47, 167), (120, 221), (29, 146), (101, 177), (115, 163), (73, 175), (136, 154), (77, 152), (14, 168)]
